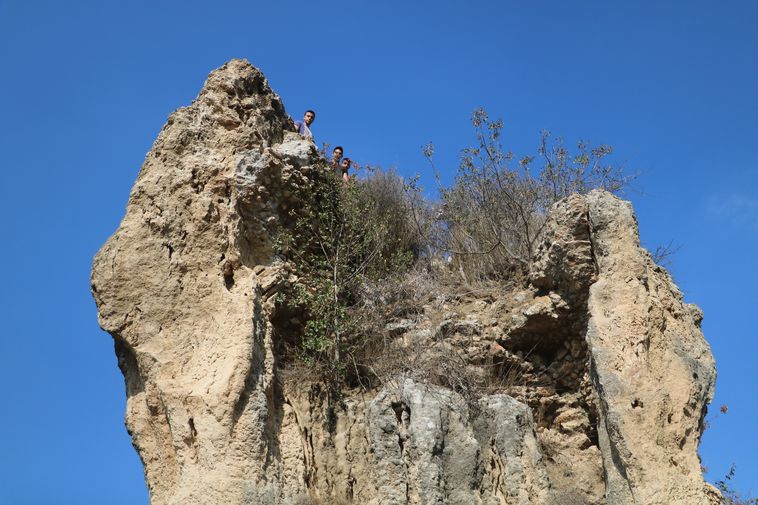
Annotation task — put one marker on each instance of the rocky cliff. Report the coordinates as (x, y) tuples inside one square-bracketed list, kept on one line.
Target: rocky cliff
[(614, 374)]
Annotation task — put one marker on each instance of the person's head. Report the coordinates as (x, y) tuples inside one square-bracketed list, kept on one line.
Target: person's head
[(309, 117), (337, 153), (345, 163)]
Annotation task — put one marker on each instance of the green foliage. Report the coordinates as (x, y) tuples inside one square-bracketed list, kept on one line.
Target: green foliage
[(342, 234), (346, 239)]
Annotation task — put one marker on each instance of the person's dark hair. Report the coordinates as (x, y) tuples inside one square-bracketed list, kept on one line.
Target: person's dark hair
[(311, 111), (349, 161), (338, 147)]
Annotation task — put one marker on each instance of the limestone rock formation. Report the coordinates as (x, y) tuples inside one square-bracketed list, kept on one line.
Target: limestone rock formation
[(650, 365), (611, 374)]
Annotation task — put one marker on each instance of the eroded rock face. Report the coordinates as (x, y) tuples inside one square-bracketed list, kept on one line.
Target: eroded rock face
[(612, 373), (426, 449), (651, 367), (177, 287)]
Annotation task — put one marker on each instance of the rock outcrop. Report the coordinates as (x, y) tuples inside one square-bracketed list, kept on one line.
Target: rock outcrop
[(610, 372)]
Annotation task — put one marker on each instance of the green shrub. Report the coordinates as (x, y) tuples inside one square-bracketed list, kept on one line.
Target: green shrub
[(365, 251), (341, 236)]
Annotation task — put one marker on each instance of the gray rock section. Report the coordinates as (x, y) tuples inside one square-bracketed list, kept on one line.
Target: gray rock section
[(425, 449), (511, 452)]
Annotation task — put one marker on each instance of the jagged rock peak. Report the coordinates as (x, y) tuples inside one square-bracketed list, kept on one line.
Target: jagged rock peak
[(614, 373)]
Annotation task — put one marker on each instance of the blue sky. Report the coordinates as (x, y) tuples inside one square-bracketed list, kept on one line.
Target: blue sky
[(86, 86)]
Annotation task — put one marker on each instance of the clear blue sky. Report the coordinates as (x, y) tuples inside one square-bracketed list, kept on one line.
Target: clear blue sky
[(86, 86)]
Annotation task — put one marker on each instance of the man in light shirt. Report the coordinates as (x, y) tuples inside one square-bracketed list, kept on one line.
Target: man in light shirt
[(303, 127)]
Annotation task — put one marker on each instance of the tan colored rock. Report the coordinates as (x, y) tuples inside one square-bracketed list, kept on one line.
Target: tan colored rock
[(651, 367), (563, 260), (176, 287), (609, 366)]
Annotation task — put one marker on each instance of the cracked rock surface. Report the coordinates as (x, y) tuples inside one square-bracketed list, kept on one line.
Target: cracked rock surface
[(614, 374)]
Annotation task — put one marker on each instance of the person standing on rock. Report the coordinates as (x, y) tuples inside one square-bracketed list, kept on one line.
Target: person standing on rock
[(303, 127)]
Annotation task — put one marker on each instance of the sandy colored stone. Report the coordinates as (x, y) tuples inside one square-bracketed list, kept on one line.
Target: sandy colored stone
[(613, 373), (176, 288), (651, 367)]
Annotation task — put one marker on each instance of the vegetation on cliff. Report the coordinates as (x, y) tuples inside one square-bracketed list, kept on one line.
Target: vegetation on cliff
[(350, 242)]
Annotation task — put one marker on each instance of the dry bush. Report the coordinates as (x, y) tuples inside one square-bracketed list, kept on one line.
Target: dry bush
[(398, 204), (392, 361), (382, 302), (662, 254), (387, 355), (389, 362), (495, 210)]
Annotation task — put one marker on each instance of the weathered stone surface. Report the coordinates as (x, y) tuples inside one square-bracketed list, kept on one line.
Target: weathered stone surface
[(425, 450), (510, 450), (651, 371), (606, 370), (175, 286), (651, 368), (563, 257)]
